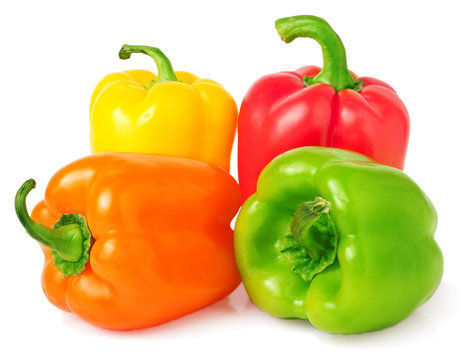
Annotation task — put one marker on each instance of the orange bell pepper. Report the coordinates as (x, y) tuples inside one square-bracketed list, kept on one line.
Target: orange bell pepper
[(159, 236)]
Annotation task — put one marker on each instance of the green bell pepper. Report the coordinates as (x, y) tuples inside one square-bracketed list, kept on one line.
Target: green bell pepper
[(333, 237)]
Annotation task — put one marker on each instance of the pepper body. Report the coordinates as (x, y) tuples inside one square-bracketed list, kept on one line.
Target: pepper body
[(162, 243), (386, 262), (315, 107), (136, 111)]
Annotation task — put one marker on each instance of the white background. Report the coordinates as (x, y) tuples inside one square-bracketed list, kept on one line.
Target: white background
[(54, 53)]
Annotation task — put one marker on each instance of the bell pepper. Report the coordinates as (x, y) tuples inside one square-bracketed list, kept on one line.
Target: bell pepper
[(328, 107), (334, 237), (137, 239), (174, 113)]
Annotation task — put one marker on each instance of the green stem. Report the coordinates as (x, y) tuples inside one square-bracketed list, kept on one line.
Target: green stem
[(70, 238), (311, 242), (164, 66), (335, 70)]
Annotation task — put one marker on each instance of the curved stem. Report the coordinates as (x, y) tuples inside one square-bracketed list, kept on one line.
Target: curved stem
[(335, 70), (164, 66), (70, 238)]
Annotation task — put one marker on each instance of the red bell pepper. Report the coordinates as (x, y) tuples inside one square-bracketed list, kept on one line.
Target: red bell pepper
[(328, 107)]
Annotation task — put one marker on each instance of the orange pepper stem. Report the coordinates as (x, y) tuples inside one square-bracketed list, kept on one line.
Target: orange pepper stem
[(70, 238), (164, 66)]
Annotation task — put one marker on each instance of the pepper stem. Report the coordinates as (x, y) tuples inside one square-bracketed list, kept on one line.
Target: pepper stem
[(311, 242), (334, 70), (164, 66), (69, 239)]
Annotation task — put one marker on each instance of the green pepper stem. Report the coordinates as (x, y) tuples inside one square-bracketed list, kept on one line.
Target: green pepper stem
[(164, 66), (334, 70), (311, 242), (67, 241), (309, 214)]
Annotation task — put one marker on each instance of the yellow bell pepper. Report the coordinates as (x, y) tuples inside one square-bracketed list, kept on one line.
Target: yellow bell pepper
[(174, 113)]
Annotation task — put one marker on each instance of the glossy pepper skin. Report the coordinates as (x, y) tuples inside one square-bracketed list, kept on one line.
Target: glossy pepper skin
[(162, 246), (334, 237), (174, 113), (318, 107)]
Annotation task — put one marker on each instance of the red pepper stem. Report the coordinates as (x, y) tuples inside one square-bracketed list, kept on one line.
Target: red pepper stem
[(69, 239), (335, 70), (164, 66)]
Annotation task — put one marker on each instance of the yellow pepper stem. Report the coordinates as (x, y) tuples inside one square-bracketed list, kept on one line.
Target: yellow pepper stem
[(164, 66)]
